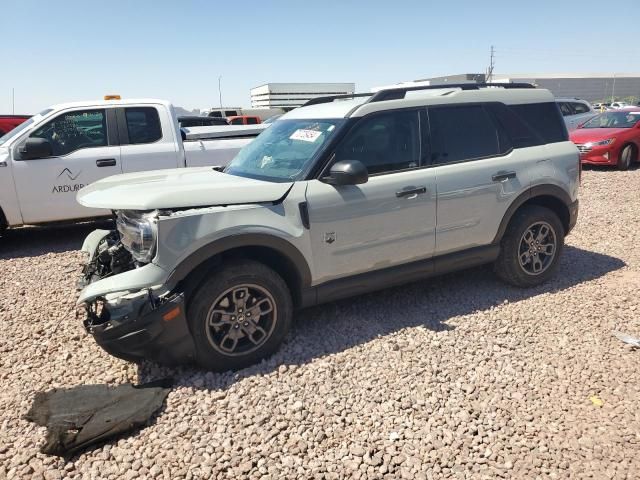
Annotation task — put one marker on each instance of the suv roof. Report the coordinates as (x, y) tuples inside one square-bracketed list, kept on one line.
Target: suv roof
[(360, 104), (562, 99)]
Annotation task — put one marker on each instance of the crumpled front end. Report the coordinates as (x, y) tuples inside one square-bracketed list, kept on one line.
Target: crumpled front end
[(126, 307)]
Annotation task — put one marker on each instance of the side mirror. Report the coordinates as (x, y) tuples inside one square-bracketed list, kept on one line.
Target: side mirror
[(36, 148), (347, 172)]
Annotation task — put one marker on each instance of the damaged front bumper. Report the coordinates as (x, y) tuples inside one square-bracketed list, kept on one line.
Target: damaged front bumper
[(129, 313)]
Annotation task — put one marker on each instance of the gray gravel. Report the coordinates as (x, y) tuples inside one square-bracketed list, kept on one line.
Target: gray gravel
[(457, 377)]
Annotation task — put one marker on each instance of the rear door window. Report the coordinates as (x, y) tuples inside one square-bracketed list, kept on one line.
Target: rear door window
[(565, 108), (143, 125), (74, 130), (252, 121), (462, 133)]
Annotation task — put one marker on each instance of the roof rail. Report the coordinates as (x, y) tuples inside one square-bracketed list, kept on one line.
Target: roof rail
[(331, 98), (396, 93), (400, 92)]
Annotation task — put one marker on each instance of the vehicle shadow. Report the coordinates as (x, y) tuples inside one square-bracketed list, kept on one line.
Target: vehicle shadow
[(609, 168), (338, 326), (33, 241)]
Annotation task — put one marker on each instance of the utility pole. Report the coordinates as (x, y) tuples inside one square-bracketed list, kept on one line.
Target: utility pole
[(13, 101), (613, 89), (220, 90), (489, 74)]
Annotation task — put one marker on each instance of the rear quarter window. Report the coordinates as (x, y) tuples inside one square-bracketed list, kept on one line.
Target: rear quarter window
[(544, 119), (580, 107)]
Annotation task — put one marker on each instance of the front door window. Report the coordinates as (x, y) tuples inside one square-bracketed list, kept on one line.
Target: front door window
[(74, 130)]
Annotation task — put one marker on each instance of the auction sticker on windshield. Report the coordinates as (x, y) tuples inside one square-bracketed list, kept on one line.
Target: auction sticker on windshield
[(305, 135)]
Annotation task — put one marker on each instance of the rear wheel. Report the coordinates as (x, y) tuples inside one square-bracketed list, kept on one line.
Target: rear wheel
[(239, 316), (626, 157), (531, 247)]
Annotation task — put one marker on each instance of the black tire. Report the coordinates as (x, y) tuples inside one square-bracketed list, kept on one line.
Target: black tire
[(515, 246), (224, 292), (626, 158), (3, 223)]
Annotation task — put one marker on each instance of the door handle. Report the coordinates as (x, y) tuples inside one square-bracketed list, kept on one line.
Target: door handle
[(411, 191), (106, 162), (502, 176)]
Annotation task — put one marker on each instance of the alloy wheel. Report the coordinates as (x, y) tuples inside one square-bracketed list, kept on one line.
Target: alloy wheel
[(537, 249), (241, 319)]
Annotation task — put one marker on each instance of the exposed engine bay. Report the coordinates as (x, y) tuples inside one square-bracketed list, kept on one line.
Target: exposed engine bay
[(111, 258)]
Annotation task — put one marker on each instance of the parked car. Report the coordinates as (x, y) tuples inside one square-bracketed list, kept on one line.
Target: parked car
[(601, 107), (263, 113), (244, 120), (334, 199), (195, 121), (618, 105), (9, 122), (611, 138), (55, 153), (575, 111)]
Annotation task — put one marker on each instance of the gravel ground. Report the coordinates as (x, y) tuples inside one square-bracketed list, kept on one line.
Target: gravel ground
[(457, 377)]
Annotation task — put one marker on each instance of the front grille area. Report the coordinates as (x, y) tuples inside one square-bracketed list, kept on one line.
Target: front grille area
[(583, 148)]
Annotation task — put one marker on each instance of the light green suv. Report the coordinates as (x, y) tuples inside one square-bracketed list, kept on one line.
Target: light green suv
[(340, 197)]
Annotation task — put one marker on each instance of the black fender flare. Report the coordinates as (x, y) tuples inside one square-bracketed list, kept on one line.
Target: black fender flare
[(533, 192), (232, 242)]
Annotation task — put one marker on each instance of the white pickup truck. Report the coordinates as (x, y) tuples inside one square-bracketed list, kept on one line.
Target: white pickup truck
[(48, 158)]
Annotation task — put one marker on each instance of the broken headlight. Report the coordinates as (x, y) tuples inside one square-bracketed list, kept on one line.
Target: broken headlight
[(138, 233)]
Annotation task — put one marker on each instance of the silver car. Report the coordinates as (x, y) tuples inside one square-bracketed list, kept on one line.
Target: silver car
[(575, 111)]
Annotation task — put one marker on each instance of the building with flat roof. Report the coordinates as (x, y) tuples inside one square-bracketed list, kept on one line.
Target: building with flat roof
[(291, 95), (588, 86)]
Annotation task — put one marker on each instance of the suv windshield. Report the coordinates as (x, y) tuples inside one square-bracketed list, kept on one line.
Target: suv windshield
[(614, 120), (24, 125), (284, 151)]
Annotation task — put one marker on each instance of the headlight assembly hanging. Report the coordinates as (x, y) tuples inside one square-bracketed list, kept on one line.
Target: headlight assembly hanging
[(138, 233)]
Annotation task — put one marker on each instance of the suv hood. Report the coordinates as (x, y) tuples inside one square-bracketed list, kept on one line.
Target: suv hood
[(178, 188), (584, 135)]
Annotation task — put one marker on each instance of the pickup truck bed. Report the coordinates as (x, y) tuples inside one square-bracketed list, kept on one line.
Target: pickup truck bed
[(222, 143)]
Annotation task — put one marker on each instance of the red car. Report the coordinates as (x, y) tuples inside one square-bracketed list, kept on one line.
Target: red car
[(9, 122), (611, 138)]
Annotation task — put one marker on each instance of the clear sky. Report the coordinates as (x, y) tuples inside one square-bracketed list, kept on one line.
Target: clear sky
[(57, 51)]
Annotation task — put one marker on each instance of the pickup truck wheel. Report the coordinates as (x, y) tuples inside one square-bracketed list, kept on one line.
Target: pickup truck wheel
[(239, 316), (531, 247)]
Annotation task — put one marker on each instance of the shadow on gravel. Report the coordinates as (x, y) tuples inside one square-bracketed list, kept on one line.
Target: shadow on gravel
[(338, 326), (33, 241)]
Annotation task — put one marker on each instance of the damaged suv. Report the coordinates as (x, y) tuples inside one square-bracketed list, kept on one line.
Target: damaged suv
[(343, 196)]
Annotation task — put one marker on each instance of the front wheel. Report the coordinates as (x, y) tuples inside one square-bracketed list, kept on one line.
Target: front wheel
[(626, 157), (239, 316), (531, 247)]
